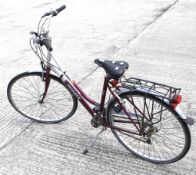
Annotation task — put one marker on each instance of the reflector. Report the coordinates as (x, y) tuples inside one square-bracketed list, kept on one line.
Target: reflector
[(176, 100), (114, 83)]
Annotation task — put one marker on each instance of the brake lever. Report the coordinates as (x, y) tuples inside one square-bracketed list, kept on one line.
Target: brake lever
[(34, 33), (35, 37)]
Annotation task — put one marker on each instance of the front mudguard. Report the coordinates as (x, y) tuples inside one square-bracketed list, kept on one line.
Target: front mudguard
[(187, 119)]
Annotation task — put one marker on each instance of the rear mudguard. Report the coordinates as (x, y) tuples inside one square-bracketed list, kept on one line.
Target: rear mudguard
[(186, 119)]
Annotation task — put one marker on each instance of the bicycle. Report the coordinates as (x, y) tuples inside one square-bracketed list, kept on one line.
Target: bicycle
[(143, 115)]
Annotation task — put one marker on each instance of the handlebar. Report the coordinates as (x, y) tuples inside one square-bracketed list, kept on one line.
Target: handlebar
[(61, 8), (41, 37), (54, 12)]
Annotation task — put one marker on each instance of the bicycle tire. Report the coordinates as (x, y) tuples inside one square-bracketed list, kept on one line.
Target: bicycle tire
[(178, 125), (24, 92)]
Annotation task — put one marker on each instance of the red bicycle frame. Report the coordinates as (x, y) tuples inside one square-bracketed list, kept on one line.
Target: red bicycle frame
[(86, 100)]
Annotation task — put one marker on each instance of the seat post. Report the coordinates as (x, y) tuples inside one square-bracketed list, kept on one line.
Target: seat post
[(104, 91)]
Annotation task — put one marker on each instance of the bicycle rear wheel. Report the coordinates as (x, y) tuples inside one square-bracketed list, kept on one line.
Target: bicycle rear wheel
[(166, 137), (25, 91)]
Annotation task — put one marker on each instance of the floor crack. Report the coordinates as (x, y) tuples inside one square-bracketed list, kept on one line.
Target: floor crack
[(15, 137), (162, 10)]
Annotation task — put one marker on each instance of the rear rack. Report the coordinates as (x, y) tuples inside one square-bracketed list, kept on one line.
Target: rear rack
[(160, 90)]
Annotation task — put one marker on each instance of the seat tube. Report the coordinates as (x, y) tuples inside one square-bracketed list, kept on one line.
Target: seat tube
[(104, 91)]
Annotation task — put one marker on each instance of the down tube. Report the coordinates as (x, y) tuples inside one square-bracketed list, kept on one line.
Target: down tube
[(79, 96), (67, 82)]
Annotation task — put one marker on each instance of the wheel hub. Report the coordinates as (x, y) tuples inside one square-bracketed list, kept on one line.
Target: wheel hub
[(149, 129)]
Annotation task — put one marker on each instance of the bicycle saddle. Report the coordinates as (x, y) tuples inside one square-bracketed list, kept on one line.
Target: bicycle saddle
[(115, 69)]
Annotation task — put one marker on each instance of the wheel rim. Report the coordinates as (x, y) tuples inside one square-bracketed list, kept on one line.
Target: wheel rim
[(167, 145), (26, 92)]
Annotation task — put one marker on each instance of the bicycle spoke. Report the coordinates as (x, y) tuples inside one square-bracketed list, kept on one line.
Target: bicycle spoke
[(166, 141), (26, 93)]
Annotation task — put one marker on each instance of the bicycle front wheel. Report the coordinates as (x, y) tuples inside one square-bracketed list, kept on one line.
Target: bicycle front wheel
[(25, 91), (165, 136)]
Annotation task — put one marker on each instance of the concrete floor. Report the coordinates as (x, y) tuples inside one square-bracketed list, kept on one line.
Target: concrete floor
[(156, 37)]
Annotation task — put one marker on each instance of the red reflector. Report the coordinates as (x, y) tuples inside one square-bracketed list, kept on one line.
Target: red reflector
[(176, 100), (114, 83)]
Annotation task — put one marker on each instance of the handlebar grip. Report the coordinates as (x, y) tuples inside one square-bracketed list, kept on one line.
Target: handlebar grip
[(61, 8), (55, 12)]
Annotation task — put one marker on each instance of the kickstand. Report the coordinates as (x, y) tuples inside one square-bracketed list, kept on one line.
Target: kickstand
[(93, 142)]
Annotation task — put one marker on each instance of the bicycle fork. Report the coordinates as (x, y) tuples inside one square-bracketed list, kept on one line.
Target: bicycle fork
[(47, 83)]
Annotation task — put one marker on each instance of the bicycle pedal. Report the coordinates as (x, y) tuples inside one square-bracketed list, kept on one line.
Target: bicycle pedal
[(85, 151), (148, 141)]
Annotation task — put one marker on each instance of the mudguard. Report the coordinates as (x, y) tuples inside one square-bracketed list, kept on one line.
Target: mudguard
[(187, 119)]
